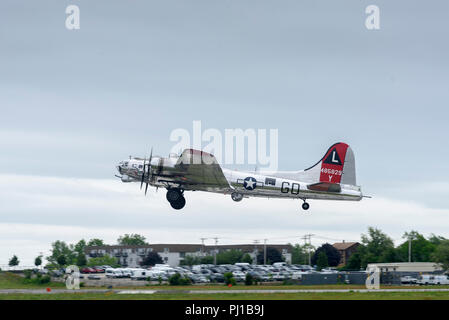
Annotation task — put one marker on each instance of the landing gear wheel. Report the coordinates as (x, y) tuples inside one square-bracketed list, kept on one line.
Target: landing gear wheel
[(173, 195), (236, 196), (305, 206), (179, 204)]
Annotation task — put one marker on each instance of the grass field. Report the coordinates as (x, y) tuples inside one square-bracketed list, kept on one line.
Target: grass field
[(10, 280), (234, 296), (13, 281)]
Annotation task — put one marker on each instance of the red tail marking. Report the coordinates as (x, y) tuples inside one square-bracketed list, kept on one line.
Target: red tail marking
[(333, 162)]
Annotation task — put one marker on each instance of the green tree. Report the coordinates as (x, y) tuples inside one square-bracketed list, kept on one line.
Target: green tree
[(355, 260), (151, 259), (229, 279), (95, 242), (38, 261), (62, 254), (322, 260), (81, 260), (249, 279), (80, 246), (61, 260), (273, 255), (229, 256), (14, 261), (132, 240), (332, 254), (377, 247), (177, 279), (300, 254), (437, 240), (247, 258), (207, 260), (105, 260), (79, 253), (441, 254), (190, 260), (422, 249)]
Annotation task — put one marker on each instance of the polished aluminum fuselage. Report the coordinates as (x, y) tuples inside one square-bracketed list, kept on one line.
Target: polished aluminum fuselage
[(166, 174)]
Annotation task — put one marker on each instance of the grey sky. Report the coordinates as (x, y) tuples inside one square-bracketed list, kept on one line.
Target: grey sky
[(73, 103)]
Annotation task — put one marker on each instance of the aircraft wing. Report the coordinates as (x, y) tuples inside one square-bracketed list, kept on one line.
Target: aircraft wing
[(201, 171)]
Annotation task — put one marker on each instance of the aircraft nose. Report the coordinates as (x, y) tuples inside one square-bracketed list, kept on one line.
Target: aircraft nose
[(119, 168)]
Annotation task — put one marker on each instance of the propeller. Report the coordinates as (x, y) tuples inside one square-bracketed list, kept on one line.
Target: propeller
[(149, 172), (143, 174)]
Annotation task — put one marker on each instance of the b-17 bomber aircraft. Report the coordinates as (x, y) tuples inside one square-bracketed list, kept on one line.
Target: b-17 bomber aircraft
[(331, 178)]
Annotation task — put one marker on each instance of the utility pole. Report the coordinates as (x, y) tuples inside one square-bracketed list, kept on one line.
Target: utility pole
[(309, 237), (410, 236), (305, 245), (264, 251), (409, 248), (215, 250)]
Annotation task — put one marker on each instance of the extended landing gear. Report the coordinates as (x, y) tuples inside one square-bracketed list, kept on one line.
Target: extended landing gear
[(236, 196), (305, 205), (176, 198)]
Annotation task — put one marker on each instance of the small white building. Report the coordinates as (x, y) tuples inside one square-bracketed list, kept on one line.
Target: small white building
[(406, 267)]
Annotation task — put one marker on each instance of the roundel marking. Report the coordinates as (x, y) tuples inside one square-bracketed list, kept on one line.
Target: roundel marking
[(249, 183)]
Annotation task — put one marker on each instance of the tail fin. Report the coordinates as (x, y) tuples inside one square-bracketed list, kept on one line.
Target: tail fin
[(336, 166)]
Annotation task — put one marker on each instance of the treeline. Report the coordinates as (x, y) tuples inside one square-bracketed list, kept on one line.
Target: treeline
[(378, 247), (375, 247), (63, 254)]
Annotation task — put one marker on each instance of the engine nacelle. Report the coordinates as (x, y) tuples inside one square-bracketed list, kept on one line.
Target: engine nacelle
[(126, 178)]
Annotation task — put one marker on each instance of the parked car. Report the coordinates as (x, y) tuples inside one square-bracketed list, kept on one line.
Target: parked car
[(56, 273), (93, 277), (408, 280), (196, 278), (238, 276), (432, 279), (87, 270), (217, 277)]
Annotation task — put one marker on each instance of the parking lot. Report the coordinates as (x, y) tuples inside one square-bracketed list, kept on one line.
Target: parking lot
[(280, 273), (203, 273)]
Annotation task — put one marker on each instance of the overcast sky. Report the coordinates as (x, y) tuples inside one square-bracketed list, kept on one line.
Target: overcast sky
[(74, 103)]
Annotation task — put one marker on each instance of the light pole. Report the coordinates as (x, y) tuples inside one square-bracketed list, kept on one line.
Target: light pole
[(202, 246), (215, 251), (264, 251), (256, 242)]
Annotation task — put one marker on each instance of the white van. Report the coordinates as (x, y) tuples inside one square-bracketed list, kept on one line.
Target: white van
[(433, 279), (279, 264), (139, 274), (113, 273)]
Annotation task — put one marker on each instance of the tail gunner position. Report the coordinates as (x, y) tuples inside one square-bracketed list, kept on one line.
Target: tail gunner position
[(331, 178)]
